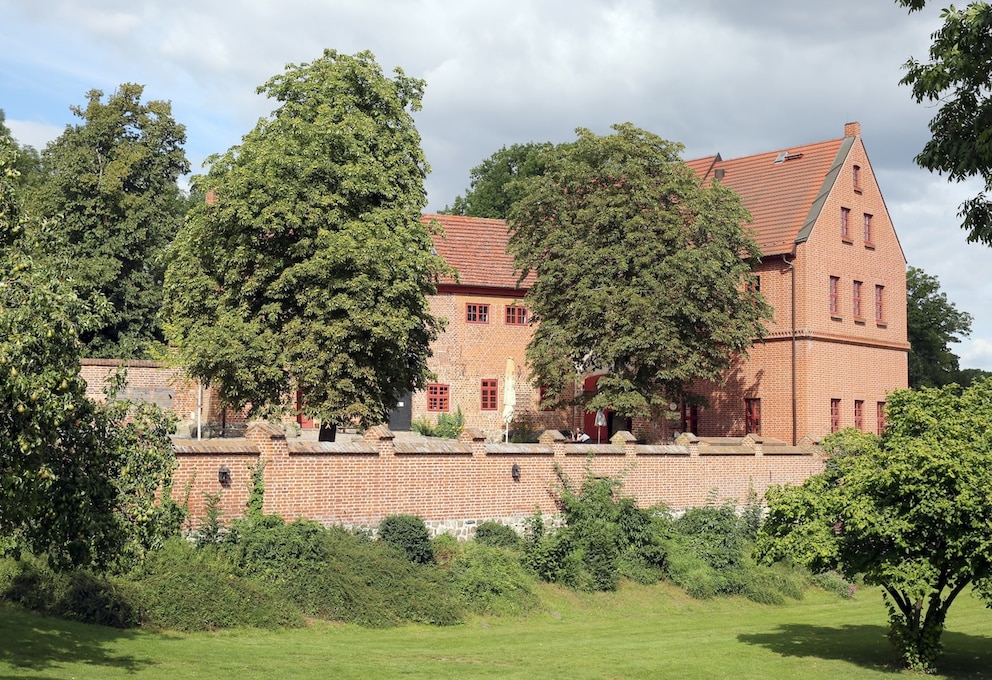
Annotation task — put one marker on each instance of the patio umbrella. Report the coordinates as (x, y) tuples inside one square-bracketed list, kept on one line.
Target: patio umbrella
[(509, 394)]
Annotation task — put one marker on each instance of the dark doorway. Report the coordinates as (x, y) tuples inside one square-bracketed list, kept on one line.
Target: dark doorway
[(401, 417)]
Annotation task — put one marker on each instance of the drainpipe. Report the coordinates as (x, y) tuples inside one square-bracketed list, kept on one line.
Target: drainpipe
[(792, 317), (199, 409)]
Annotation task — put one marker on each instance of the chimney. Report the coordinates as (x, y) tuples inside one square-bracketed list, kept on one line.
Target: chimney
[(852, 129)]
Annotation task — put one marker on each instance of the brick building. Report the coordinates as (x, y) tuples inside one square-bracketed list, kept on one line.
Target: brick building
[(831, 267)]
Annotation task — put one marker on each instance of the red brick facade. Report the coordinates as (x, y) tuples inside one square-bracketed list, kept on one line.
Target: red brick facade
[(809, 356)]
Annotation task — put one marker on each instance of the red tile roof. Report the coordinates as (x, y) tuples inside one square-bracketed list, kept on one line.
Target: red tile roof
[(781, 196), (476, 248), (782, 189)]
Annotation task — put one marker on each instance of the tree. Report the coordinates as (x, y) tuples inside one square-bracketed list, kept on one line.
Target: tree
[(77, 479), (910, 511), (933, 322), (492, 191), (307, 269), (956, 79), (111, 184), (641, 272), (27, 162)]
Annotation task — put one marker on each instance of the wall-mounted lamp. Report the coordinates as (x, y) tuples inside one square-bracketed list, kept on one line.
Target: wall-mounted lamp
[(515, 472), (224, 476)]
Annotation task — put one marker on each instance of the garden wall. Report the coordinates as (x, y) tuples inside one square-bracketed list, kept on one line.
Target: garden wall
[(454, 485)]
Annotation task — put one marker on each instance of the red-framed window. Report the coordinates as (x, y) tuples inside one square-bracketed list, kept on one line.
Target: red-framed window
[(834, 295), (752, 416), (879, 304), (690, 418), (845, 224), (754, 285), (834, 415), (476, 312), (437, 397), (516, 315), (859, 414), (856, 177), (880, 417), (866, 228), (856, 300), (490, 394)]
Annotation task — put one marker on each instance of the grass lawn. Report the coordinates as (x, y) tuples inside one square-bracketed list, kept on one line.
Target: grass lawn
[(638, 632)]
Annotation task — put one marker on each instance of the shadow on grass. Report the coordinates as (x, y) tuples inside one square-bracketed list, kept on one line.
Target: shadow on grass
[(38, 643), (965, 656)]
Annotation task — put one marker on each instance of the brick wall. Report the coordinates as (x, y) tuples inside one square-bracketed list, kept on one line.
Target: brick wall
[(467, 481)]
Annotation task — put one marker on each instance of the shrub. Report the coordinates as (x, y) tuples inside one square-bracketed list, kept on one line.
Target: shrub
[(183, 588), (496, 534), (832, 582), (446, 548), (78, 595), (449, 425), (491, 580), (409, 534)]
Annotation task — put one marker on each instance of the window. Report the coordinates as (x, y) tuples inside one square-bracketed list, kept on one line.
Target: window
[(437, 397), (476, 313), (880, 417), (856, 300), (856, 176), (879, 304), (867, 230), (752, 416), (834, 296), (516, 315), (845, 224), (490, 395), (859, 414), (834, 415), (754, 285), (690, 418)]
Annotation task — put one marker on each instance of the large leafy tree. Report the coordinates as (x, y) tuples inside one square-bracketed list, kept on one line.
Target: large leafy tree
[(956, 79), (641, 271), (110, 181), (492, 191), (909, 511), (933, 323), (78, 480), (27, 162), (308, 268)]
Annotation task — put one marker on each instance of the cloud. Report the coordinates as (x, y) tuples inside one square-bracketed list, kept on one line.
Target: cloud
[(30, 133)]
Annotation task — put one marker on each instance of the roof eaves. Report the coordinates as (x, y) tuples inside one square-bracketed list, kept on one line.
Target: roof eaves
[(828, 182)]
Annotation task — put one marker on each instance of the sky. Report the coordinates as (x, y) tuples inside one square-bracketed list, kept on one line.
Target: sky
[(718, 76)]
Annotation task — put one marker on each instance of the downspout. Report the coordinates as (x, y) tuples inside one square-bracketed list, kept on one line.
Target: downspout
[(792, 318)]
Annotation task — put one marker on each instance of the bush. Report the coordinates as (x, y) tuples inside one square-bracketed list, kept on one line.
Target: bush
[(449, 425), (832, 582), (78, 595), (496, 534), (491, 580), (183, 588), (409, 534)]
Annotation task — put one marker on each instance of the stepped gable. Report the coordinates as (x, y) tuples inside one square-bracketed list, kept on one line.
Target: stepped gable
[(476, 248), (783, 189)]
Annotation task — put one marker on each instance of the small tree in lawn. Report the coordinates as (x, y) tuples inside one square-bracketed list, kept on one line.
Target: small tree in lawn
[(641, 271), (909, 511), (308, 268)]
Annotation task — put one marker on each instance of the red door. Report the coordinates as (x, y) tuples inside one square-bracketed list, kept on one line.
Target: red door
[(301, 420), (598, 434)]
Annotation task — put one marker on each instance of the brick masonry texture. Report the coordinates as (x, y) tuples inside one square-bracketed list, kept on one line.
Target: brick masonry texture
[(455, 485)]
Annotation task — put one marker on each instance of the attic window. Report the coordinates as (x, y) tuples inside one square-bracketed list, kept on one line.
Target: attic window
[(786, 156)]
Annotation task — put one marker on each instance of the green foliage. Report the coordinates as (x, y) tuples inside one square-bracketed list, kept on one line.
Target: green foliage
[(109, 186), (410, 535), (449, 425), (641, 271), (603, 531), (210, 530), (956, 81), (497, 535), (332, 574), (78, 480), (494, 188), (491, 580), (308, 267), (256, 488), (909, 511), (78, 595), (933, 323), (184, 588)]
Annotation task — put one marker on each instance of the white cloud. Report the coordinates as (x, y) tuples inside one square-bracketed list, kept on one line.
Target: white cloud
[(30, 133)]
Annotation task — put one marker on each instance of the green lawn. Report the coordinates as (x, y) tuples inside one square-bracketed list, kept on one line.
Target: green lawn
[(637, 632)]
